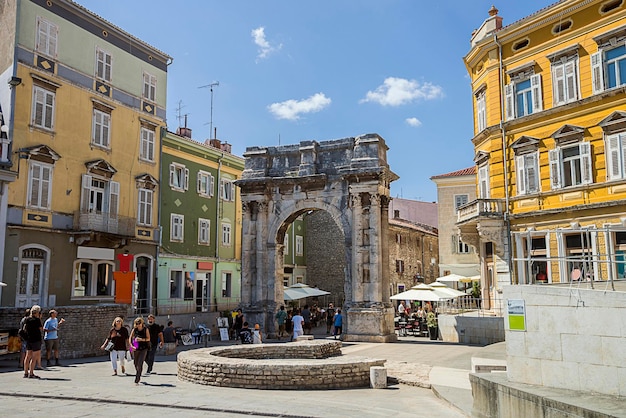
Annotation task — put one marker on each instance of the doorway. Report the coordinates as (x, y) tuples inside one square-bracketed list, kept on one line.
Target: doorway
[(202, 291)]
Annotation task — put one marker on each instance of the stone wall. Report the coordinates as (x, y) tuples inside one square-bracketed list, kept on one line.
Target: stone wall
[(82, 334), (471, 329)]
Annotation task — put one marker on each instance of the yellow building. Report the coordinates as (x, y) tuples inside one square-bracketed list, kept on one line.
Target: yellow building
[(87, 103), (550, 145)]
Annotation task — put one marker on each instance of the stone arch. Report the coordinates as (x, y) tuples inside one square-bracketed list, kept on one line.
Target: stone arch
[(349, 179)]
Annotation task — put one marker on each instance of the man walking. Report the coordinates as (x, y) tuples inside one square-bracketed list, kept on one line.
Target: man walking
[(51, 337), (306, 314), (281, 317), (156, 341)]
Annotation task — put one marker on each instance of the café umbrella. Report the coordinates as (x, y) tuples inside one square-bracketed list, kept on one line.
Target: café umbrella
[(442, 288), (421, 292), (301, 291)]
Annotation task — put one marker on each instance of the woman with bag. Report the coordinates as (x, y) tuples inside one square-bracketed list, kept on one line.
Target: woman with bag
[(140, 341), (117, 344)]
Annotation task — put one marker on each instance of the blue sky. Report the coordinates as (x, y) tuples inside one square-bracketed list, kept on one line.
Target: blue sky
[(319, 70)]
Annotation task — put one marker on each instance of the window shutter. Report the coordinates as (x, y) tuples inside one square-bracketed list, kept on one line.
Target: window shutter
[(585, 162), (510, 106), (35, 176), (38, 105), (613, 157), (535, 84), (172, 175), (455, 246), (570, 81), (85, 194), (212, 182), (554, 155), (622, 138), (46, 190), (520, 181), (532, 170), (483, 181), (597, 75), (199, 183), (114, 199), (54, 35), (558, 84), (186, 185)]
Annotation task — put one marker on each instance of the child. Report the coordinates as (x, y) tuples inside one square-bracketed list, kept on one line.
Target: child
[(257, 336), (338, 323)]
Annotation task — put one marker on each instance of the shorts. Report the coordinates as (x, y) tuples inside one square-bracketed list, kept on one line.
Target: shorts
[(33, 345), (52, 345), (281, 328)]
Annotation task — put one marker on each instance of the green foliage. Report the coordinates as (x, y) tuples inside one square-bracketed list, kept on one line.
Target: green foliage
[(476, 289), (431, 320)]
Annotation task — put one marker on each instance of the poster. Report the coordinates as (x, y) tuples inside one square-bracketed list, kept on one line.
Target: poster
[(516, 311), (224, 334)]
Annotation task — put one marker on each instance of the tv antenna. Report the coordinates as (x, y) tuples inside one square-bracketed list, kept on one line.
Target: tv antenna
[(210, 86), (180, 116)]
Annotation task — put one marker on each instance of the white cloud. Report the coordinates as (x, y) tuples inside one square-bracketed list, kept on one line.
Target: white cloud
[(292, 109), (413, 122), (399, 91), (265, 48)]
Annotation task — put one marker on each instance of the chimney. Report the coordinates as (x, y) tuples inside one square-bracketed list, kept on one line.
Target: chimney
[(226, 147), (184, 131), (215, 143), (491, 25)]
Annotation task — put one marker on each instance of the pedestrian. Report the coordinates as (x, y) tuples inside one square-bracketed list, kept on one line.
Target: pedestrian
[(330, 314), (257, 336), (23, 350), (118, 335), (169, 338), (238, 323), (289, 323), (33, 328), (338, 323), (51, 337), (297, 320), (140, 340), (245, 334), (156, 341), (306, 314), (401, 310), (281, 317)]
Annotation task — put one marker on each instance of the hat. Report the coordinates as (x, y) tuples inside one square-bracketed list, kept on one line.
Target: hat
[(256, 326)]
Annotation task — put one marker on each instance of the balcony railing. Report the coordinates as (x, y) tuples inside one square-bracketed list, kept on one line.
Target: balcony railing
[(104, 222), (492, 208)]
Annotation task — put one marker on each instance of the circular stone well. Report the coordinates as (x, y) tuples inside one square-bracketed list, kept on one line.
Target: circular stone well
[(300, 365)]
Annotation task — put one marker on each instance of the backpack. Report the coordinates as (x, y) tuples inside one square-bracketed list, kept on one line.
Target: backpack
[(23, 334)]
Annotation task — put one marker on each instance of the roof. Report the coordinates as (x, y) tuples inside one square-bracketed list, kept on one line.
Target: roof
[(470, 171), (414, 211), (416, 226)]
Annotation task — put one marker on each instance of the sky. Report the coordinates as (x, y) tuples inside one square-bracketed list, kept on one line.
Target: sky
[(295, 70)]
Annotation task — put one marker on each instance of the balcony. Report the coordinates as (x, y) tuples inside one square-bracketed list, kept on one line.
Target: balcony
[(105, 222), (481, 208)]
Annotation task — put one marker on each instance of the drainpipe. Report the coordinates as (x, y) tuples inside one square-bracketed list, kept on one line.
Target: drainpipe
[(217, 229), (155, 279), (507, 219)]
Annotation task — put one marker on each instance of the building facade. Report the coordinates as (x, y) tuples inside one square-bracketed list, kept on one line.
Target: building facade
[(84, 115), (454, 190), (550, 141), (199, 266)]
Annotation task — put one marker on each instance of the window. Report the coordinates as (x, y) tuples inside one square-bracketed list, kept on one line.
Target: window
[(206, 183), (47, 35), (176, 284), (616, 156), (570, 165), (39, 185), (93, 278), (227, 190), (227, 279), (100, 131), (481, 106), (458, 246), (299, 245), (579, 250), (177, 223), (286, 245), (483, 181), (204, 230), (460, 200), (100, 195), (145, 207), (527, 168), (399, 266), (225, 234), (179, 177), (608, 65), (147, 144), (398, 238), (149, 87), (565, 80), (523, 97), (43, 108), (104, 63)]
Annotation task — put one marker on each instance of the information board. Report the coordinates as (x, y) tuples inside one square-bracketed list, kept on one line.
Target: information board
[(516, 311)]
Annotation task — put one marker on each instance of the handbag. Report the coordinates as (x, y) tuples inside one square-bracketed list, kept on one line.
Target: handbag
[(108, 346)]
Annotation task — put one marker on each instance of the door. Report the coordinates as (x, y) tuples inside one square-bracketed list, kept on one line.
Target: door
[(29, 284), (143, 278), (202, 292)]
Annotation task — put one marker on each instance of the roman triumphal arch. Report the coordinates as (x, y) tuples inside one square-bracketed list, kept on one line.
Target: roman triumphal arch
[(349, 179)]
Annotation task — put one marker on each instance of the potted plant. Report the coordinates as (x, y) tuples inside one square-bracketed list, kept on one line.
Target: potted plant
[(431, 323)]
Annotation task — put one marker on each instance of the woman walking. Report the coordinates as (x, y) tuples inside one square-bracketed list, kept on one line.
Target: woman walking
[(33, 328), (119, 336), (140, 340)]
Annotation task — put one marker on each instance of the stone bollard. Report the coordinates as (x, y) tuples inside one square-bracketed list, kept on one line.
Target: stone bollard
[(378, 377)]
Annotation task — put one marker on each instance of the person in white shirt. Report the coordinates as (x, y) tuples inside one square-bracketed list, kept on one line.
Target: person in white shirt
[(401, 310), (297, 325)]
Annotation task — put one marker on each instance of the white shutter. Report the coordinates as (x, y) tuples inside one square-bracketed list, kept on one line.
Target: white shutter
[(612, 156), (520, 181), (537, 98), (570, 81), (173, 175), (554, 156), (186, 182), (532, 173), (199, 183), (212, 182), (510, 102), (85, 194), (46, 189), (622, 140), (483, 181), (558, 84), (585, 162), (597, 75), (114, 199)]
